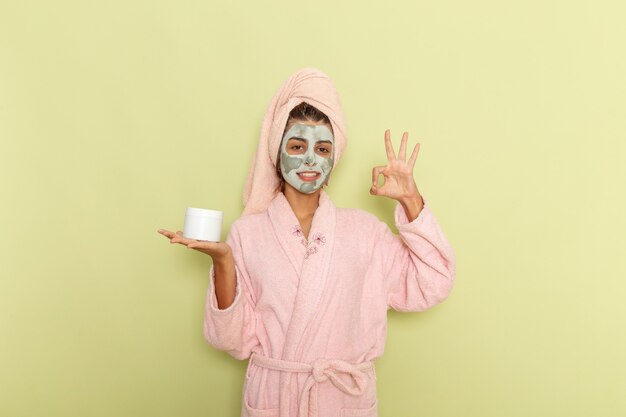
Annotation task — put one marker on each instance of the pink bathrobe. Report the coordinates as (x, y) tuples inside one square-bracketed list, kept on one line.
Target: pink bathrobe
[(311, 314)]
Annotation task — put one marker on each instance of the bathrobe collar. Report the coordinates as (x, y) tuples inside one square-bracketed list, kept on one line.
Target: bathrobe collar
[(310, 258), (291, 236)]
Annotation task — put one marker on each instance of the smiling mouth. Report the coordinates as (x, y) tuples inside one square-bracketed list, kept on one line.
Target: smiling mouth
[(309, 176)]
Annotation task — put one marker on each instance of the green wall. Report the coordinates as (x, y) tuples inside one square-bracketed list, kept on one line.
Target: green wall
[(115, 116)]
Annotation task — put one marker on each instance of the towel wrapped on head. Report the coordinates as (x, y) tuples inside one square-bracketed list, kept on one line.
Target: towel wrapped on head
[(308, 85)]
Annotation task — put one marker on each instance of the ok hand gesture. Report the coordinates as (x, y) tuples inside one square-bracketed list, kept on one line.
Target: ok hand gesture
[(398, 173)]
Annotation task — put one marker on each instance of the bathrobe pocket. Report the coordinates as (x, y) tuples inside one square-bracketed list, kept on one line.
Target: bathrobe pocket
[(253, 412), (361, 412), (364, 409), (252, 387)]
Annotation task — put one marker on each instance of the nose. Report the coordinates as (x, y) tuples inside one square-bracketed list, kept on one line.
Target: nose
[(310, 158)]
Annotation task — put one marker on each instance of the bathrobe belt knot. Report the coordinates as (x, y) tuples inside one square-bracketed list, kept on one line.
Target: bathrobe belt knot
[(321, 370)]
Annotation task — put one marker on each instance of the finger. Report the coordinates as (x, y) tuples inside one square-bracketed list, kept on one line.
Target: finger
[(413, 157), (389, 146), (177, 237), (374, 190), (201, 244), (182, 240), (166, 233), (376, 171), (402, 152)]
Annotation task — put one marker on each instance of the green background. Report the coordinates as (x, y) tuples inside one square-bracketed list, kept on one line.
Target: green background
[(115, 116)]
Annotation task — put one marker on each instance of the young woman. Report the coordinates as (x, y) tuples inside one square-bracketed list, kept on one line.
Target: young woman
[(301, 287)]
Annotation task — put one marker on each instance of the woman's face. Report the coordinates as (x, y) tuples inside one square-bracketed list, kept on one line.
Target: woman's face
[(307, 155)]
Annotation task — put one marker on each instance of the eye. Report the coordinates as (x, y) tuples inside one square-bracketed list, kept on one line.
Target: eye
[(323, 149), (295, 147)]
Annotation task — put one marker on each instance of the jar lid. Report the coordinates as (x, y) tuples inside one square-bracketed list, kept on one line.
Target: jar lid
[(194, 211)]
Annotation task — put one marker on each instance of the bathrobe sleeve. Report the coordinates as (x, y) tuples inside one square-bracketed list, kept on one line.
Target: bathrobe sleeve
[(419, 264), (232, 329)]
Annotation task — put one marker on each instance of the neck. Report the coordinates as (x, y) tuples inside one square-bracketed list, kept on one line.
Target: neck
[(303, 205)]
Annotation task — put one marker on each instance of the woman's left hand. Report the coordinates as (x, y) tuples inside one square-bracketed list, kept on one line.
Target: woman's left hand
[(398, 173)]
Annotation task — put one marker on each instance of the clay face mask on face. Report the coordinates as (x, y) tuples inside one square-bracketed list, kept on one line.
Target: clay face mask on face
[(307, 171)]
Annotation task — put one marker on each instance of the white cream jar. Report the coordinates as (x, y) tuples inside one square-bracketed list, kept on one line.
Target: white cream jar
[(203, 224)]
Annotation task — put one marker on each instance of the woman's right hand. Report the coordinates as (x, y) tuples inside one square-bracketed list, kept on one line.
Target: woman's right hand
[(216, 250), (223, 262)]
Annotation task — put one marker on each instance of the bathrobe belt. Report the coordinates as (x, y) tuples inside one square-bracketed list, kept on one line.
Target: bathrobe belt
[(321, 370)]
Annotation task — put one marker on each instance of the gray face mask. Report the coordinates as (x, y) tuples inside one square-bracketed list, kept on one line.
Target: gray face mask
[(307, 157)]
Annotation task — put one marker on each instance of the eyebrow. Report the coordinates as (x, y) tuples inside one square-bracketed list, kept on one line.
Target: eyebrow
[(304, 140)]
